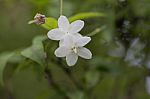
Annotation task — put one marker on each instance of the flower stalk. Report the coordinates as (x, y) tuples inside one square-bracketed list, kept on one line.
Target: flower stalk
[(61, 7)]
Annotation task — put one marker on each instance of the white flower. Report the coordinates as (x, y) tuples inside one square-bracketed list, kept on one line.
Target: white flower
[(117, 52), (147, 64), (65, 28), (71, 43), (148, 84), (72, 47), (135, 53)]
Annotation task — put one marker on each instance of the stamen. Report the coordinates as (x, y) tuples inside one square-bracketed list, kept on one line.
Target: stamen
[(74, 49)]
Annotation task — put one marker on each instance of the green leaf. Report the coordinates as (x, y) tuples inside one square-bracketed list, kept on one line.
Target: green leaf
[(50, 23), (17, 57), (36, 51), (3, 61), (86, 15), (39, 3), (92, 78), (77, 95)]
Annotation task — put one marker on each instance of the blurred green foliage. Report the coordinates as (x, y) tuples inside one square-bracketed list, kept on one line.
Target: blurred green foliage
[(103, 77)]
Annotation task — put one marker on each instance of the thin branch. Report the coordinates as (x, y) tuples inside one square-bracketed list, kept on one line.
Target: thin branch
[(9, 95), (51, 81), (69, 74), (53, 84)]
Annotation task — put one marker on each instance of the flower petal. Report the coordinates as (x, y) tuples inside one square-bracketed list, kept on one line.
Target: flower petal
[(76, 36), (63, 23), (55, 34), (67, 41), (84, 53), (76, 26), (82, 41), (71, 59), (61, 51), (61, 42)]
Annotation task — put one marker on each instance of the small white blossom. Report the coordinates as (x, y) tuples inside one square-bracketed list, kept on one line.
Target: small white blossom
[(135, 53), (71, 43), (148, 84), (147, 64), (117, 52), (72, 47), (65, 28)]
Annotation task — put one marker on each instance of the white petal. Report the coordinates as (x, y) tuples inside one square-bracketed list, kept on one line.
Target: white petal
[(61, 51), (83, 41), (63, 23), (137, 45), (76, 26), (84, 53), (71, 59), (148, 84), (55, 34), (61, 42), (147, 63), (70, 39), (134, 42), (136, 62), (76, 36), (67, 41), (130, 55)]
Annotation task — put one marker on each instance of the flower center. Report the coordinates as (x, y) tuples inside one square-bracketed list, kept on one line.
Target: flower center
[(74, 50)]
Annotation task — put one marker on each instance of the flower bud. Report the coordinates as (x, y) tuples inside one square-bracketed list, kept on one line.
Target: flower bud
[(39, 19)]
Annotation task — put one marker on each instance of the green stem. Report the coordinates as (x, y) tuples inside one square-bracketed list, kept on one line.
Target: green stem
[(51, 81), (69, 74), (61, 7), (53, 84), (9, 93), (96, 31)]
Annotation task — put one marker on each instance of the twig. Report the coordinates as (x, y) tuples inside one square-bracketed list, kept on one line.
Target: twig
[(69, 74), (8, 91), (9, 95), (51, 82)]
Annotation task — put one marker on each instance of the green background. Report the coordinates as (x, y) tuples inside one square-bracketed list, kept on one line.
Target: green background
[(102, 77)]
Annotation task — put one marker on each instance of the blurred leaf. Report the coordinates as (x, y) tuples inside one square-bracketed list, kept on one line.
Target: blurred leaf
[(39, 2), (17, 58), (3, 61), (50, 23), (106, 65), (92, 78), (44, 95), (96, 31), (77, 95), (36, 51), (86, 15)]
